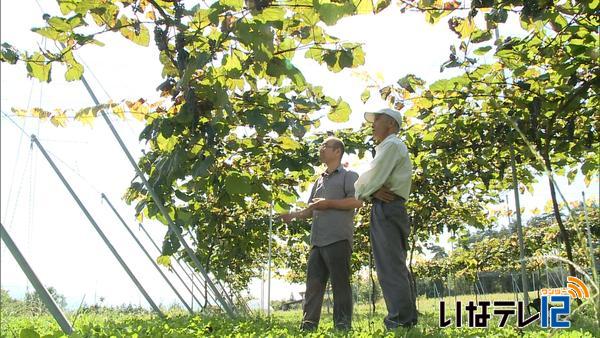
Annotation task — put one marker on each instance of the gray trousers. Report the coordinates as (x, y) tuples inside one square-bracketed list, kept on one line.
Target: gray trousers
[(390, 229), (328, 262)]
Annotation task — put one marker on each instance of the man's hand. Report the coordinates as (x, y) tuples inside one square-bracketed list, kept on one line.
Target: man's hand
[(384, 194), (319, 204), (287, 218)]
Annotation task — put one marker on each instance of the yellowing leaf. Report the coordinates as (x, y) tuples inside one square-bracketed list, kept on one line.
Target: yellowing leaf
[(288, 143), (422, 102), (340, 112), (466, 27), (74, 68), (548, 207), (366, 94), (166, 144), (59, 119), (85, 116), (134, 31), (19, 112), (119, 111), (138, 109), (38, 67), (364, 6), (151, 15), (40, 113), (164, 260), (235, 4)]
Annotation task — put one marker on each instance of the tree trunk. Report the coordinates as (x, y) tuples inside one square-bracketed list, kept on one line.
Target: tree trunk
[(413, 280), (563, 231)]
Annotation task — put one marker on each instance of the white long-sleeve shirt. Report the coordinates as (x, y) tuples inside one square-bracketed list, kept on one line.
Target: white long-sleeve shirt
[(390, 167)]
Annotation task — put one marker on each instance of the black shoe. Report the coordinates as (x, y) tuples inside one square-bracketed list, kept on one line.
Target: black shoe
[(343, 328), (308, 327), (390, 326), (410, 324)]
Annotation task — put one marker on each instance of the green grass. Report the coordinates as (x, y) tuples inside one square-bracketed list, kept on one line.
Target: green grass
[(282, 324)]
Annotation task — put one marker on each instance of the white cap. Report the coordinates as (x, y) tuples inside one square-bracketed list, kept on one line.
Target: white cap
[(370, 116)]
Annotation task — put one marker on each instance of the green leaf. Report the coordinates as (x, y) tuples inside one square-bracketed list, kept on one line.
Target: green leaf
[(411, 83), (232, 62), (481, 36), (200, 168), (366, 94), (171, 243), (482, 50), (440, 85), (164, 260), (8, 54), (287, 197), (330, 13), (235, 4), (238, 184), (59, 24), (29, 333), (67, 6), (382, 4), (345, 59), (74, 68), (271, 14), (166, 144), (340, 112), (358, 56), (76, 21), (315, 54), (50, 33), (134, 31), (558, 22), (38, 67), (288, 143), (196, 62), (279, 67)]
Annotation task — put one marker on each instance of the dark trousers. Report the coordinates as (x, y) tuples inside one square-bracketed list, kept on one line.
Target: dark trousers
[(328, 262), (389, 238)]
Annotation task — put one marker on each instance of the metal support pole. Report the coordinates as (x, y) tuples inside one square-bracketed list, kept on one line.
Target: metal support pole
[(44, 295), (97, 228), (589, 239), (225, 292), (262, 290), (269, 272), (524, 279), (159, 203), (218, 282), (180, 266), (147, 254)]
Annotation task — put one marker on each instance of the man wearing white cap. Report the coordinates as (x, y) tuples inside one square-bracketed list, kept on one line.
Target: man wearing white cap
[(387, 185)]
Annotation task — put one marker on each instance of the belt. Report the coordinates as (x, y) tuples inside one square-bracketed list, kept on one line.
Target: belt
[(396, 198)]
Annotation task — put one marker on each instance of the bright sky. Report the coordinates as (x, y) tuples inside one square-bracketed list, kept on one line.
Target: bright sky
[(52, 232)]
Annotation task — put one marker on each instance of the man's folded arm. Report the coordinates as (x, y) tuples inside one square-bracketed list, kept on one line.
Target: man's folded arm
[(375, 177), (345, 204)]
